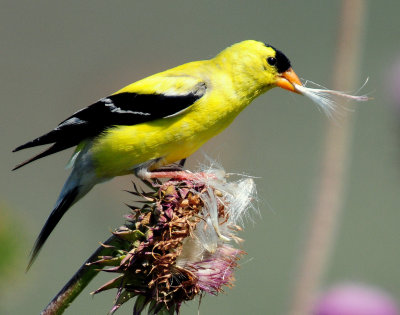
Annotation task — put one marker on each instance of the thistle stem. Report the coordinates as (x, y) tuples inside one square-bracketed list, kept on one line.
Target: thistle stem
[(79, 281)]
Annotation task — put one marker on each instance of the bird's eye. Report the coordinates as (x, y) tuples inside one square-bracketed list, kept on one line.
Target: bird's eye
[(271, 61)]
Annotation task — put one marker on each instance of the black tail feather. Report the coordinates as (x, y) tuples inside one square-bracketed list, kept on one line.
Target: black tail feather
[(55, 216), (50, 137), (56, 147)]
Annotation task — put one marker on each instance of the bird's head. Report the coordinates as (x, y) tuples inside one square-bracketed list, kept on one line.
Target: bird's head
[(258, 66)]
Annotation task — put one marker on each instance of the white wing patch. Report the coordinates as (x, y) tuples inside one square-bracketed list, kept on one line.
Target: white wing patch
[(115, 109)]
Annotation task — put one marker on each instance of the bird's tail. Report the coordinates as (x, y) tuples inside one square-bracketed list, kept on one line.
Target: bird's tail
[(71, 193)]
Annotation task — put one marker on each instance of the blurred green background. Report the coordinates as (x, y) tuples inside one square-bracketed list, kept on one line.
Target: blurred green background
[(56, 58)]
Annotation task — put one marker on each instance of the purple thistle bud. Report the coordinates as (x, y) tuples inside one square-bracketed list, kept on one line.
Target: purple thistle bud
[(217, 271)]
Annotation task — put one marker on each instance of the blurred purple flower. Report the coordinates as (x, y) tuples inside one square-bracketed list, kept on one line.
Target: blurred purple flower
[(356, 299), (394, 85)]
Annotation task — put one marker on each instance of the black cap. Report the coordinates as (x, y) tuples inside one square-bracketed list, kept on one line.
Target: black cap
[(282, 62)]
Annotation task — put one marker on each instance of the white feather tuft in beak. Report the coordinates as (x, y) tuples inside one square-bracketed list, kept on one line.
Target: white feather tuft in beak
[(329, 100)]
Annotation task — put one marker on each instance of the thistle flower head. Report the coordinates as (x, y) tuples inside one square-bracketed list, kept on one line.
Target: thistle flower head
[(179, 243)]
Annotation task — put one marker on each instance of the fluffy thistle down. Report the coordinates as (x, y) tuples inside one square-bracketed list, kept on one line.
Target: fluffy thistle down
[(329, 101), (179, 244)]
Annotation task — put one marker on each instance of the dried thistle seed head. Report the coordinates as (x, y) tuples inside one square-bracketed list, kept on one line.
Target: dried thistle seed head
[(176, 246)]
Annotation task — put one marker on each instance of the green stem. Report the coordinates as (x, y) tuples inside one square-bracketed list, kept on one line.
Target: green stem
[(80, 280)]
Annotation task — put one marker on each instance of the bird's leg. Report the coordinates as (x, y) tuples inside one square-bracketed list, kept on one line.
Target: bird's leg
[(179, 175), (174, 172), (165, 172), (176, 167), (147, 175), (170, 174), (182, 163)]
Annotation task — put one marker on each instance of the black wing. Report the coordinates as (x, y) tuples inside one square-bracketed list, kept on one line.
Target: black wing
[(118, 109)]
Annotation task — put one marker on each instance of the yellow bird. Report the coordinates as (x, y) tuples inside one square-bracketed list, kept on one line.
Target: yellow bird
[(159, 120)]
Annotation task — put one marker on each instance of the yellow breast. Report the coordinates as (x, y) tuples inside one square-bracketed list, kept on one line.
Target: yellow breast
[(120, 149)]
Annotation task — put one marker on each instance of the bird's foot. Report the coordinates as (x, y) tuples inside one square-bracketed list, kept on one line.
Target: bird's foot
[(172, 174)]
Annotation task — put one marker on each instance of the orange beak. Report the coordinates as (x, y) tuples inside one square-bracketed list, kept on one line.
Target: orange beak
[(287, 80)]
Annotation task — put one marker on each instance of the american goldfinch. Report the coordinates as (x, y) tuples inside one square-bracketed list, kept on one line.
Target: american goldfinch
[(159, 120)]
